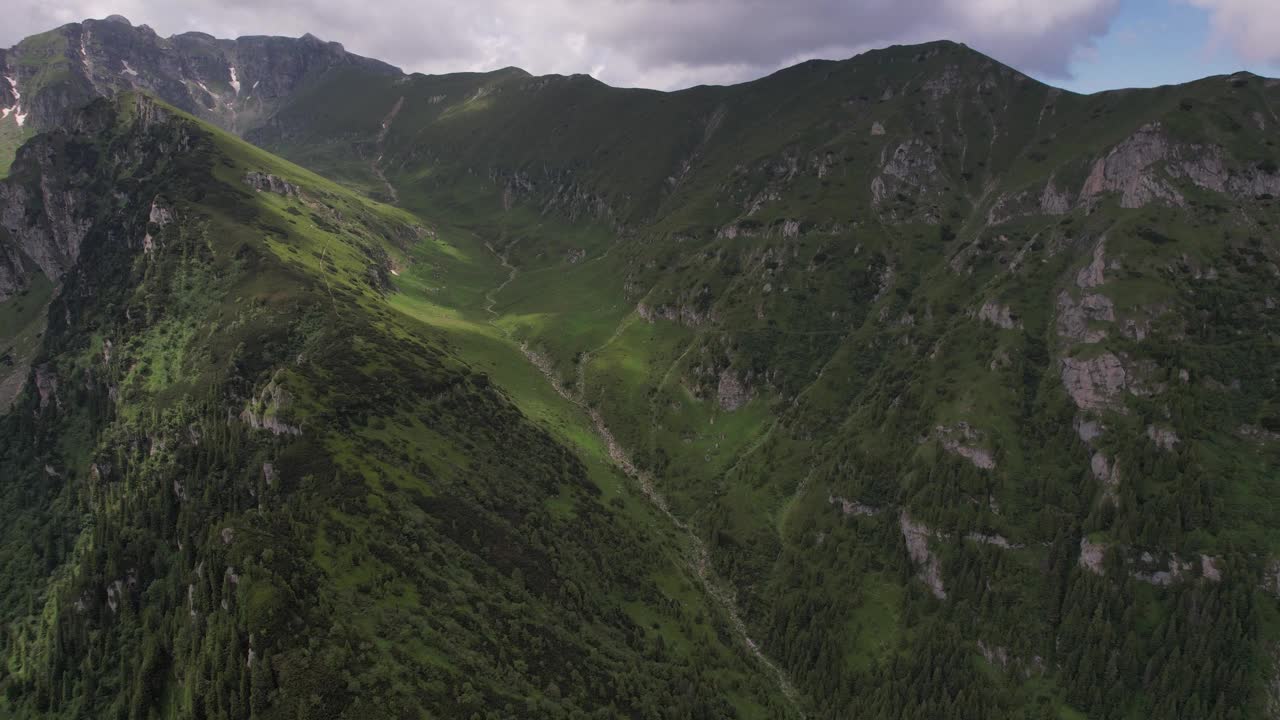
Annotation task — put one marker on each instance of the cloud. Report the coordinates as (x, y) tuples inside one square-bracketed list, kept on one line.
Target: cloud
[(651, 43), (1249, 27)]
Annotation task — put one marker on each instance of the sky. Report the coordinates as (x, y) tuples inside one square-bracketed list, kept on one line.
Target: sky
[(1082, 45)]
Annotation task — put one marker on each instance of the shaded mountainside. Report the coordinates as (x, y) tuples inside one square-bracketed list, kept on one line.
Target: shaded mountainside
[(955, 372), (241, 484), (944, 394), (234, 84)]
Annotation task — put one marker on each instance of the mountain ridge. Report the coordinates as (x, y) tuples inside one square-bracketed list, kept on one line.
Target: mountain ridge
[(963, 384)]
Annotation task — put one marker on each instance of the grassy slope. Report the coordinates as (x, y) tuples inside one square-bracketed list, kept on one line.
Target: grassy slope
[(850, 368), (618, 201), (428, 546)]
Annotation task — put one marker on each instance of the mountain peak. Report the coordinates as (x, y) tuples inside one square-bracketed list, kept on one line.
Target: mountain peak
[(120, 19)]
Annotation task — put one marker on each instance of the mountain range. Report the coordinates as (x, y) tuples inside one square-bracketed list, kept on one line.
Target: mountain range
[(904, 386)]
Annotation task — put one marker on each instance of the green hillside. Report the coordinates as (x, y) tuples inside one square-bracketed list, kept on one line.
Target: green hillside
[(898, 387), (912, 315), (251, 481)]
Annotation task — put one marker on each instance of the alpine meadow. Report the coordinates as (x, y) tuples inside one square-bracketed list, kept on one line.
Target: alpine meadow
[(903, 387)]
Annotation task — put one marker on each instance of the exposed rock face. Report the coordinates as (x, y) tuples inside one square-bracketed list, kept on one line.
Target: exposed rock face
[(1001, 657), (685, 314), (1163, 570), (853, 507), (1127, 169), (265, 411), (999, 541), (1271, 578), (999, 315), (1159, 573), (1209, 568), (1091, 275), (1091, 555), (1137, 169), (1074, 318), (731, 393), (47, 387), (232, 83), (961, 440), (265, 182), (49, 202), (1094, 384), (46, 221), (1054, 201), (1087, 430), (910, 168), (1102, 470), (115, 594), (1164, 438), (553, 190), (1257, 434), (917, 536), (995, 654), (159, 214)]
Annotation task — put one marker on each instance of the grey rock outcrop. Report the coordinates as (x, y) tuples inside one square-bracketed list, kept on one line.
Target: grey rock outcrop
[(911, 167), (1096, 383), (999, 315), (1087, 430), (929, 570), (1091, 275), (266, 411), (1143, 167), (1128, 170), (46, 221), (1164, 438), (731, 392), (962, 440), (1091, 556), (853, 507), (1074, 317), (235, 84), (266, 182)]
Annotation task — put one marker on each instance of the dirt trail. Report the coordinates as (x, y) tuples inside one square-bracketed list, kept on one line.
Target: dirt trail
[(698, 557)]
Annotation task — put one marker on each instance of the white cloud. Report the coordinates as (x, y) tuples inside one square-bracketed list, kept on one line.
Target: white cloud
[(653, 43), (1249, 27)]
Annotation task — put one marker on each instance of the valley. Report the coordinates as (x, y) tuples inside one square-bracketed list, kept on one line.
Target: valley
[(901, 386)]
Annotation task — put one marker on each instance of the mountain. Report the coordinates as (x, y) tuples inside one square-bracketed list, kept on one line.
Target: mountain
[(241, 483), (901, 386), (234, 84)]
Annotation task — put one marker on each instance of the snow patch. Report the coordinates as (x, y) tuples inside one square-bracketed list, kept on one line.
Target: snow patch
[(128, 70), (235, 81), (16, 110)]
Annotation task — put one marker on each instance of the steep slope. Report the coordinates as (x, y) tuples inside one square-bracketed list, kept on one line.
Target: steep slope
[(967, 385), (235, 84), (240, 483), (955, 372)]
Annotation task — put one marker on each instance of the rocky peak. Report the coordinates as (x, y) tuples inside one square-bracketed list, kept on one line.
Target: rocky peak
[(235, 84), (48, 205)]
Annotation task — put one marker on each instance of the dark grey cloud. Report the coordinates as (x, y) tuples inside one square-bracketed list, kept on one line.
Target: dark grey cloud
[(651, 43)]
